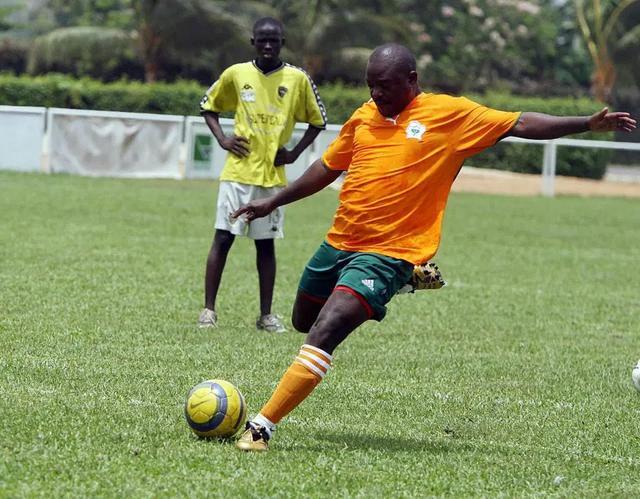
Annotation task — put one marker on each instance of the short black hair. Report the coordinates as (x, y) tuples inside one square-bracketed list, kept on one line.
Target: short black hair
[(264, 21)]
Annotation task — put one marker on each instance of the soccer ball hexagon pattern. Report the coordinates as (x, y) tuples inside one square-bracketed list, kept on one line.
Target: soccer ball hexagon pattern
[(215, 408)]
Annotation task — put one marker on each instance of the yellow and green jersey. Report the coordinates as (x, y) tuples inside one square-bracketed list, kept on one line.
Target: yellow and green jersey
[(267, 106)]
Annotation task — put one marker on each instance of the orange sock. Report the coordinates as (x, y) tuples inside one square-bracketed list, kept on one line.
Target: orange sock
[(306, 371)]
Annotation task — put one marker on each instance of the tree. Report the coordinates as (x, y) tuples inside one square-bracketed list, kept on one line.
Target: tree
[(599, 23), (99, 13), (333, 39), (168, 34), (186, 28), (475, 45)]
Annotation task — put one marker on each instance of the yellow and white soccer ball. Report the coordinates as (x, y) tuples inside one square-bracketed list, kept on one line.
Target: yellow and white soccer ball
[(635, 376), (215, 408)]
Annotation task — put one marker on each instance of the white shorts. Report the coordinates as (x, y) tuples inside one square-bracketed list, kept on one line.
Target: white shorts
[(233, 195)]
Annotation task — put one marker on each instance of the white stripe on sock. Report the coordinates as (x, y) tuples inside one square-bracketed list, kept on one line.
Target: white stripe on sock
[(311, 347), (310, 366), (316, 359)]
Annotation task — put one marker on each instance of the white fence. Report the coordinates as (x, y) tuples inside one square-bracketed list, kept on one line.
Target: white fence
[(100, 143), (549, 156), (21, 137), (103, 143)]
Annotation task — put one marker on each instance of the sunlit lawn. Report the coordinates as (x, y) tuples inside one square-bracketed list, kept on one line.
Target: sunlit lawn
[(514, 380)]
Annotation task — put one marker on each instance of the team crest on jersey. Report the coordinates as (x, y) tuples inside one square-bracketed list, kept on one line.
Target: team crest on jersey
[(282, 91), (415, 130), (247, 94)]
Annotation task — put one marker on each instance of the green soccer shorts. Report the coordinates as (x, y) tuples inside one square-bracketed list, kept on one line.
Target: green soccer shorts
[(373, 279)]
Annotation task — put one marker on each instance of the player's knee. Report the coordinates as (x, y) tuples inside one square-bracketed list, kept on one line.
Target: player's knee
[(299, 323), (265, 247), (223, 241)]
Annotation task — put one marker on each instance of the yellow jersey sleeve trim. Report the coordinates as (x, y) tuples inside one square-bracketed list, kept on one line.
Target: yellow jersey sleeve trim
[(318, 101)]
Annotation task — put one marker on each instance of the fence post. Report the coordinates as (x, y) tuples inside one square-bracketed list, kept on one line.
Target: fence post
[(549, 169)]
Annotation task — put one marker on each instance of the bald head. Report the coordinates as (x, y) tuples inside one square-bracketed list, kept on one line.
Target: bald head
[(392, 78), (397, 56)]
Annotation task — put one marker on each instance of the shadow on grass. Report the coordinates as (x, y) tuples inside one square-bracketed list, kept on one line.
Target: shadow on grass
[(346, 441)]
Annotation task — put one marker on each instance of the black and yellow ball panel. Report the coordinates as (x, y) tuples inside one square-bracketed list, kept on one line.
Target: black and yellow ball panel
[(215, 408)]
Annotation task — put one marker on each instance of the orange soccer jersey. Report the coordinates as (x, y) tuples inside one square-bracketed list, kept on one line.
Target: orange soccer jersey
[(400, 172)]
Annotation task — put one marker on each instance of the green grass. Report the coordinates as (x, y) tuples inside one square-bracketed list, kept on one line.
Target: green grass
[(512, 381)]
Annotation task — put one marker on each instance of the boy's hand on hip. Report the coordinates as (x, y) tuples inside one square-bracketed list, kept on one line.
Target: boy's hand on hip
[(284, 157), (236, 145)]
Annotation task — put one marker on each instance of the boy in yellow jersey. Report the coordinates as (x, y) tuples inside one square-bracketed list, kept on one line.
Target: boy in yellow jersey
[(268, 98), (403, 150)]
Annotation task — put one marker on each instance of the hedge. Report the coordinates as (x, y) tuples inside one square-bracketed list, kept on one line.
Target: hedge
[(526, 158), (102, 53), (61, 91), (182, 98)]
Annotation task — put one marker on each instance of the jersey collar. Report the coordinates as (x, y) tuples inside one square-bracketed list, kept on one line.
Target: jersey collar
[(402, 115), (277, 68)]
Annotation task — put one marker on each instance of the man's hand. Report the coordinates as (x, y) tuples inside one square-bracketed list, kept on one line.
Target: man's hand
[(255, 209), (604, 121), (236, 145), (284, 157)]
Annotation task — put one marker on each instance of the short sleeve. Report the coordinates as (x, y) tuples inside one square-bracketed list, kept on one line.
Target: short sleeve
[(222, 95), (483, 127), (339, 153), (310, 108)]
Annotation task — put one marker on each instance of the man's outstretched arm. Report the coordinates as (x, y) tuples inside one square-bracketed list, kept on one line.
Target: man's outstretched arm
[(317, 177), (544, 126)]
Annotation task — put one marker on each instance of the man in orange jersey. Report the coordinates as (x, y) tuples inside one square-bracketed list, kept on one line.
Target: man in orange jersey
[(402, 150)]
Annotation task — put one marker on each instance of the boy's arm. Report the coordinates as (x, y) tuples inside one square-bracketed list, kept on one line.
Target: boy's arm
[(285, 157), (543, 126), (234, 144), (317, 177)]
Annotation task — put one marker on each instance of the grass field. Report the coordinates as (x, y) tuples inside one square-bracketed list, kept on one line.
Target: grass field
[(512, 381)]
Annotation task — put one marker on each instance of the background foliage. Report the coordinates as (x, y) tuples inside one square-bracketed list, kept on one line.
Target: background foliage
[(513, 47), (104, 53), (575, 162), (182, 98), (526, 46)]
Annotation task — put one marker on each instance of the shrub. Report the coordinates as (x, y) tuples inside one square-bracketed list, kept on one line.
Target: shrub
[(180, 98), (13, 55), (527, 158), (102, 53), (341, 100)]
